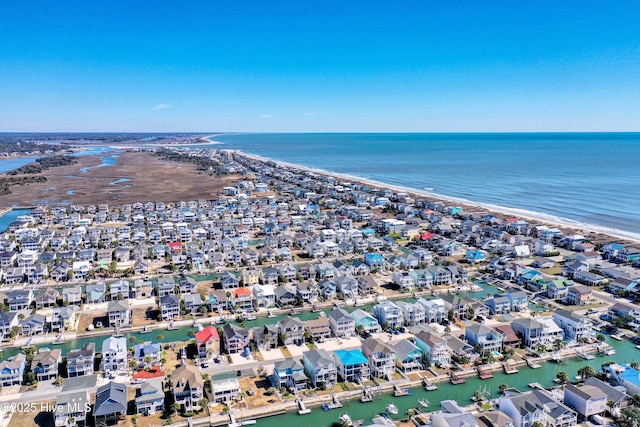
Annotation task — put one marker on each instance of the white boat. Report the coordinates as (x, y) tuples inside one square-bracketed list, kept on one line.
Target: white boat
[(617, 337), (424, 403), (345, 420), (392, 409), (638, 346)]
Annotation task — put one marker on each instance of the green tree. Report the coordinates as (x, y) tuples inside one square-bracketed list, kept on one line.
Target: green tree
[(563, 377), (586, 372), (629, 417), (203, 403), (600, 337), (502, 387)]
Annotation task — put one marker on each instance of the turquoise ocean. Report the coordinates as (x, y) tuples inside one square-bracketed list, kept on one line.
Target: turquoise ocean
[(590, 180)]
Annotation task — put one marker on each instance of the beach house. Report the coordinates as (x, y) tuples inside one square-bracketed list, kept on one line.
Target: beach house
[(111, 404), (352, 365), (321, 368), (380, 356), (188, 387)]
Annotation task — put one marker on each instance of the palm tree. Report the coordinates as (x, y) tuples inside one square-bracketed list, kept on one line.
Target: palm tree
[(502, 387), (586, 372), (160, 338), (563, 377)]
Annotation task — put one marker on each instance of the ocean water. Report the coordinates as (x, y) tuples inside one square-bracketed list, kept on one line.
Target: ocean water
[(586, 178)]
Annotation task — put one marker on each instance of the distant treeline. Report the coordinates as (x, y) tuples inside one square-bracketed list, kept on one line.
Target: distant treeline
[(202, 163), (7, 183), (44, 163), (16, 145)]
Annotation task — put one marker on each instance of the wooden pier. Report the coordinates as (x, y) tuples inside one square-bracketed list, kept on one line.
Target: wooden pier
[(484, 375), (455, 379), (428, 385), (534, 364), (509, 369)]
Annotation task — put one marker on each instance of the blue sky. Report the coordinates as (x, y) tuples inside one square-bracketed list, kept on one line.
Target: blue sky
[(322, 66)]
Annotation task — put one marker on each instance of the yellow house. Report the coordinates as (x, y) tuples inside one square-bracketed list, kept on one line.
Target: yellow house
[(251, 277)]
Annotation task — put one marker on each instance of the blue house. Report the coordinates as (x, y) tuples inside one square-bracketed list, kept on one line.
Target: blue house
[(374, 260), (475, 256), (369, 323), (352, 365), (11, 370)]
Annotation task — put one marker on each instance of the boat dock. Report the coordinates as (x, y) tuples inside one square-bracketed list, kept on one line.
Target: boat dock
[(334, 404), (366, 396), (484, 375), (534, 363), (537, 386), (557, 357), (585, 355), (428, 385), (455, 379), (509, 369), (617, 337), (303, 410), (398, 391)]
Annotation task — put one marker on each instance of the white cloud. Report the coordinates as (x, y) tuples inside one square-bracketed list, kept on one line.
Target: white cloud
[(161, 106)]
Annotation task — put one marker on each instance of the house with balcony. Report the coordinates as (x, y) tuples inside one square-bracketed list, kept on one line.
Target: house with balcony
[(388, 313), (225, 390), (114, 355), (341, 323), (236, 338), (48, 298), (289, 374), (537, 406), (208, 343), (408, 355), (119, 313), (12, 370), (150, 397), (321, 368), (169, 307), (537, 331), (352, 365), (264, 295), (499, 304), (412, 313), (486, 338), (72, 295), (80, 362), (575, 327), (366, 320), (188, 386), (519, 300), (319, 328), (578, 295), (381, 357), (71, 409), (242, 300), (147, 354), (291, 330), (435, 310), (434, 347), (586, 400), (111, 404), (45, 363)]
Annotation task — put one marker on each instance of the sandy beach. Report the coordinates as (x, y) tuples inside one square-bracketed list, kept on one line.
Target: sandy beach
[(590, 231)]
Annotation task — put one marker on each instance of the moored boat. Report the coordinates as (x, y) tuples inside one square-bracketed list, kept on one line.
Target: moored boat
[(392, 409)]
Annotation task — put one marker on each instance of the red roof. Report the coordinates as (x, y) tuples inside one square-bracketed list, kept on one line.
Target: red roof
[(154, 372), (241, 291), (512, 219), (175, 245), (426, 236), (207, 333)]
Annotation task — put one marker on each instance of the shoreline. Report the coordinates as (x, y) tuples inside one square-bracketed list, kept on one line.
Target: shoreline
[(540, 217)]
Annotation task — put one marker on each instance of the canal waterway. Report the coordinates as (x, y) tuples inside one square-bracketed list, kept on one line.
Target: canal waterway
[(625, 353)]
